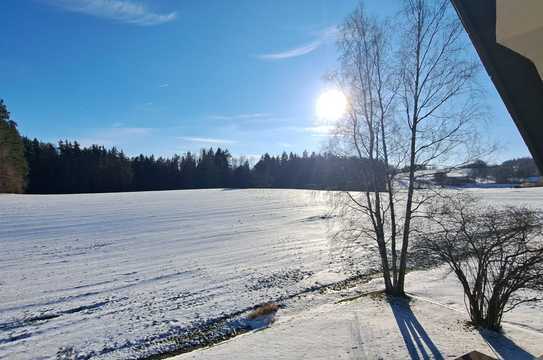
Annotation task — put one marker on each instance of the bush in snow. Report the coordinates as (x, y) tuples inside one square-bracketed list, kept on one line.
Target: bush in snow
[(494, 253)]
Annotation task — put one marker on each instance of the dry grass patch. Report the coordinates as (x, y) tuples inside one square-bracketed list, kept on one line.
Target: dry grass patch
[(376, 294), (263, 310)]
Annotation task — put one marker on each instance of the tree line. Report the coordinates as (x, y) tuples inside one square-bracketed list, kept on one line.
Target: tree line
[(32, 166), (70, 168), (36, 167), (509, 171)]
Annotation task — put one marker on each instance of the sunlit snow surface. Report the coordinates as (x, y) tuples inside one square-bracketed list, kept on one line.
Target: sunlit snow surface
[(105, 273)]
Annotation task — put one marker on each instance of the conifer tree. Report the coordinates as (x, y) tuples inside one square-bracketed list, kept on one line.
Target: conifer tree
[(13, 166)]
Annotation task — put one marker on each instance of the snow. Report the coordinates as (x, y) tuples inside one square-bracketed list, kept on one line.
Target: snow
[(102, 273), (440, 285), (110, 275), (370, 327)]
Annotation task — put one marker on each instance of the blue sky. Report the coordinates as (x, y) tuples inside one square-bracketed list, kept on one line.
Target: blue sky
[(165, 76)]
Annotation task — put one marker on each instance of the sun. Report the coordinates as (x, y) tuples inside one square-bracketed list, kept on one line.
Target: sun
[(331, 105)]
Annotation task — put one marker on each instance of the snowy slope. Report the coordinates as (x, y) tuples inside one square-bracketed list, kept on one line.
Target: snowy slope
[(107, 274)]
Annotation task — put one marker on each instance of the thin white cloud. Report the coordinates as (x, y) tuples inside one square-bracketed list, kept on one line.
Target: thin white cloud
[(320, 130), (116, 135), (125, 11), (206, 140), (323, 36), (247, 122), (135, 131), (241, 116), (329, 33), (291, 53), (163, 85)]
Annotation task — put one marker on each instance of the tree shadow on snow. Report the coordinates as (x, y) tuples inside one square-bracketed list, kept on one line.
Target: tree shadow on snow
[(505, 347), (417, 341)]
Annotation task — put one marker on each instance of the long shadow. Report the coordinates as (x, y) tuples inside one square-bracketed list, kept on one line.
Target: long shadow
[(417, 341), (504, 346)]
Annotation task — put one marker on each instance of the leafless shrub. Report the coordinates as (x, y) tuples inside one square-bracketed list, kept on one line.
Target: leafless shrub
[(494, 252)]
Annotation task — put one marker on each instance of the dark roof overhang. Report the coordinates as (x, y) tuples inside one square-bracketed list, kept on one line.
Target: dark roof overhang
[(516, 78)]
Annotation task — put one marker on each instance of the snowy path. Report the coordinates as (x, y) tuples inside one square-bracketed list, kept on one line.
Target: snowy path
[(107, 273)]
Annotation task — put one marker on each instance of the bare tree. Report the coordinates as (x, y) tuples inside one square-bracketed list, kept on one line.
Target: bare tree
[(411, 104), (494, 253), (365, 76)]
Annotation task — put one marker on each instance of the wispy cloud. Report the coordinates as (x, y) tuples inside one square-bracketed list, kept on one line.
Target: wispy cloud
[(293, 52), (163, 85), (322, 37), (241, 116), (117, 135), (318, 130), (247, 122), (125, 11), (135, 131), (206, 140)]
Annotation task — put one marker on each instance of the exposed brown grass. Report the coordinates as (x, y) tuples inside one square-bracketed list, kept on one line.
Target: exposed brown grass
[(263, 310), (375, 295)]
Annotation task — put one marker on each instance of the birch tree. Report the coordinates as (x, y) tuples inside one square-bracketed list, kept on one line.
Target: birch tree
[(412, 103)]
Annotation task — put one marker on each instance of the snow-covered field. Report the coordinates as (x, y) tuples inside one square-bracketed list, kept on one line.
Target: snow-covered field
[(102, 273), (109, 275)]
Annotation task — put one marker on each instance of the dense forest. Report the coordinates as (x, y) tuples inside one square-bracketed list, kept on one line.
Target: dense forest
[(70, 168), (32, 166)]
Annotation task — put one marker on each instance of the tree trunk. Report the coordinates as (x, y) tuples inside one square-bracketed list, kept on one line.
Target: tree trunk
[(408, 214)]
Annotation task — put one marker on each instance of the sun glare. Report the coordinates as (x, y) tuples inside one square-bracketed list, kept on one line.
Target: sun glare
[(331, 105)]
